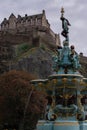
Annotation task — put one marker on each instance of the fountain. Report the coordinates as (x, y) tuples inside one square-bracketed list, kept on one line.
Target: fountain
[(66, 87)]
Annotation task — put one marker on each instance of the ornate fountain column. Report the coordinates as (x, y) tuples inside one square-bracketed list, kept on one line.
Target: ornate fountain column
[(64, 84)]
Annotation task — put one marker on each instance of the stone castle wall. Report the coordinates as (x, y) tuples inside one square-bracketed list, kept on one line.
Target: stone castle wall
[(28, 24), (14, 22)]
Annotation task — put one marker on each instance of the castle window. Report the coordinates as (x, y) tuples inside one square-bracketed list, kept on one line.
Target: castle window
[(33, 21), (39, 21), (26, 21), (2, 27), (36, 21), (29, 21)]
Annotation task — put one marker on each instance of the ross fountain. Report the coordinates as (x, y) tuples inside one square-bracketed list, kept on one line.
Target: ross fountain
[(66, 87)]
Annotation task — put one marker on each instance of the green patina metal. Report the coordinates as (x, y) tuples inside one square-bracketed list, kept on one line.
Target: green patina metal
[(66, 87), (67, 60)]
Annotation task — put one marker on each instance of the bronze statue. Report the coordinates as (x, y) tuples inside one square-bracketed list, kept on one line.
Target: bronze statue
[(65, 24)]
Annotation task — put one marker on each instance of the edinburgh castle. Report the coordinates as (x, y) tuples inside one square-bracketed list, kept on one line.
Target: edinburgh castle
[(18, 34), (33, 29)]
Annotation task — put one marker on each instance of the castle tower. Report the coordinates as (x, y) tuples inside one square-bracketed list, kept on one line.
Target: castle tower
[(12, 21)]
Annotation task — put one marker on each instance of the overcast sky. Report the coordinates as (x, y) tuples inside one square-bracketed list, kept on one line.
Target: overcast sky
[(75, 12)]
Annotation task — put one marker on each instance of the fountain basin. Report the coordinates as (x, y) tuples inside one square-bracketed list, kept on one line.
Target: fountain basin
[(61, 125), (69, 80)]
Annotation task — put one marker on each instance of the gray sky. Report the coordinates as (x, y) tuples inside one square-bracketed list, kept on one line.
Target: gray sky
[(75, 12)]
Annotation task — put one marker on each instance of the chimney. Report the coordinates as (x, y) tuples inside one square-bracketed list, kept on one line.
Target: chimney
[(43, 12), (25, 15)]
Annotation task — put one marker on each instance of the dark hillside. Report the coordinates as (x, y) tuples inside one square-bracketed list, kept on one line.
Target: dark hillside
[(83, 62)]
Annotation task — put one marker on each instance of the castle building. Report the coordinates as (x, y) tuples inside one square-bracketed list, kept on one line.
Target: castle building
[(28, 24), (14, 22), (28, 31)]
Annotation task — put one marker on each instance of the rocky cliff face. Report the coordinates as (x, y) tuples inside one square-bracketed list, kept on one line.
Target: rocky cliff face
[(36, 61)]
